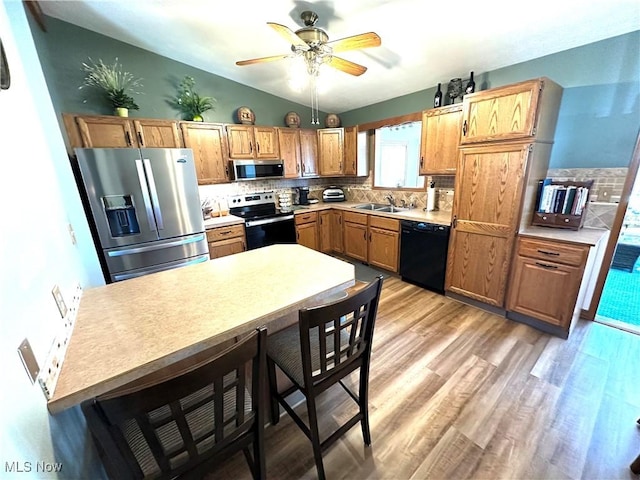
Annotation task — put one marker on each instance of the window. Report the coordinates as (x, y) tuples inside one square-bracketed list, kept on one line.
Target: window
[(397, 156)]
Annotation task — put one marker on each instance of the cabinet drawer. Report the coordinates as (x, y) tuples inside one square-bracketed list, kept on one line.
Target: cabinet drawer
[(554, 252), (353, 217), (222, 233), (383, 222), (306, 218)]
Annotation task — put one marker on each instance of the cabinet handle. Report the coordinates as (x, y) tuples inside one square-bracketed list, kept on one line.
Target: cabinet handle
[(544, 265), (354, 166), (298, 235), (140, 139), (250, 147), (555, 254), (244, 246), (455, 221), (464, 128), (297, 168), (225, 233), (421, 161), (258, 146), (303, 168), (128, 138), (340, 166), (369, 236), (365, 236)]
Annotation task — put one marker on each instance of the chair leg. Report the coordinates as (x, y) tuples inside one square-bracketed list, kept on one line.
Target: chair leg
[(274, 406), (315, 435), (364, 405)]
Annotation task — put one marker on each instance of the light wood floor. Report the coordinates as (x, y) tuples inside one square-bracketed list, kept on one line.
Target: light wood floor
[(456, 392)]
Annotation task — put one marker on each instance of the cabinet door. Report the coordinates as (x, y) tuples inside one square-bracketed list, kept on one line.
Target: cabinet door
[(157, 133), (440, 139), (325, 231), (355, 240), (486, 208), (337, 244), (266, 142), (289, 142), (507, 113), (106, 132), (331, 151), (208, 142), (350, 150), (307, 234), (241, 141), (226, 247), (544, 290), (309, 152), (384, 248)]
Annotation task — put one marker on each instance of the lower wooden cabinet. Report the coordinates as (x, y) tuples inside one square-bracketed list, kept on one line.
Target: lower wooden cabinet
[(324, 231), (384, 242), (545, 281), (307, 229), (337, 242), (225, 241), (355, 235)]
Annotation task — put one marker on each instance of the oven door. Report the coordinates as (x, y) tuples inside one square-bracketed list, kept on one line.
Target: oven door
[(268, 231)]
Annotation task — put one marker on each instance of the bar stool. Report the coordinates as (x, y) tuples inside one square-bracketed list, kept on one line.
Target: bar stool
[(182, 425), (330, 342)]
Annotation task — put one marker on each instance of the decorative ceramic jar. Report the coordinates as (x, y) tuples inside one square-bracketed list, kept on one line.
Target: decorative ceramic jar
[(122, 112), (292, 120), (332, 121), (246, 116)]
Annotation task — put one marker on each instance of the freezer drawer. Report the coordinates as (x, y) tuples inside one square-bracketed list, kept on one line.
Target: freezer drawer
[(117, 277), (150, 254)]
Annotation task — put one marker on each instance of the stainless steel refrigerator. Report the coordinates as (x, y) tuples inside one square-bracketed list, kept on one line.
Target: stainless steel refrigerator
[(145, 208)]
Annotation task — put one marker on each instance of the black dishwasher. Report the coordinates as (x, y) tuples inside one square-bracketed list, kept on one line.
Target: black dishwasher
[(423, 254)]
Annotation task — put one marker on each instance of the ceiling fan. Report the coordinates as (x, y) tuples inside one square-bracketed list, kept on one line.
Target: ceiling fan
[(311, 43)]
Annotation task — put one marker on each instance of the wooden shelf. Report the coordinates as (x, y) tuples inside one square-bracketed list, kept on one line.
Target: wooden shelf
[(560, 220)]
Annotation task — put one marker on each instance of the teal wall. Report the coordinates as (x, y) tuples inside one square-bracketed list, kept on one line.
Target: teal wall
[(597, 127), (600, 110), (64, 47)]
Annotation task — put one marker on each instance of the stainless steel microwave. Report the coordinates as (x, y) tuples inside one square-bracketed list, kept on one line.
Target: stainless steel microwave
[(257, 169)]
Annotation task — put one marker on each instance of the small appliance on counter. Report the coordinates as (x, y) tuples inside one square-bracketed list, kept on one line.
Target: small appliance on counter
[(333, 194), (302, 196)]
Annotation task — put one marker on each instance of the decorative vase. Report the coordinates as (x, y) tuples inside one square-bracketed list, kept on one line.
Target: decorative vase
[(454, 89), (122, 112), (292, 120), (198, 118)]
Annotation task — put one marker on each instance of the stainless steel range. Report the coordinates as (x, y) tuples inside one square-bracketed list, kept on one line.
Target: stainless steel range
[(264, 223)]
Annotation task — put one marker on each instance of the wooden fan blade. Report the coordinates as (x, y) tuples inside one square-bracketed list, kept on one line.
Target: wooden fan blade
[(347, 66), (364, 40), (289, 35), (261, 60)]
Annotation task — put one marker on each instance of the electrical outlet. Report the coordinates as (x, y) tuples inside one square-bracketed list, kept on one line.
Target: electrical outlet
[(57, 296)]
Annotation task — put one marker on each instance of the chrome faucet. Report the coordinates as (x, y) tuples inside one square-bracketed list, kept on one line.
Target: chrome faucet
[(391, 200), (403, 203)]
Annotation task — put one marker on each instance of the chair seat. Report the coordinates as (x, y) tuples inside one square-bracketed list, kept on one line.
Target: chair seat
[(284, 348)]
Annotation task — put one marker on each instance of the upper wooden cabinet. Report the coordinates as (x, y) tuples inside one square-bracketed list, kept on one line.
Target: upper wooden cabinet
[(350, 150), (209, 144), (104, 131), (248, 141), (440, 140), (521, 111), (289, 144), (331, 151), (309, 152)]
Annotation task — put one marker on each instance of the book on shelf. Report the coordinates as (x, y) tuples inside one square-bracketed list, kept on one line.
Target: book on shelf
[(562, 199)]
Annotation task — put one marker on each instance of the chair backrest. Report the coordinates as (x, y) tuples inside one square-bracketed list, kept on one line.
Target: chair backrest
[(336, 338), (182, 423)]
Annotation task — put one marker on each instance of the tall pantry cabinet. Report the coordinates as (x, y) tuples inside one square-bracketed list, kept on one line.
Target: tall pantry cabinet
[(505, 147)]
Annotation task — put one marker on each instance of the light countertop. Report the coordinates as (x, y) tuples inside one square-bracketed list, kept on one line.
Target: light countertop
[(415, 214), (224, 221), (584, 236), (129, 329)]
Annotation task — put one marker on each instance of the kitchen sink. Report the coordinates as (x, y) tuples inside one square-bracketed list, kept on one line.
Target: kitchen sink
[(371, 206), (391, 209)]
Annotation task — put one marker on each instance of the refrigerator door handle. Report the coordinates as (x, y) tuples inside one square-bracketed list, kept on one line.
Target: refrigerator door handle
[(154, 194), (142, 178), (150, 248), (125, 276)]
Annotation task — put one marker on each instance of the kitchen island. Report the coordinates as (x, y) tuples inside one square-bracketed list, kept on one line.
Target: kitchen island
[(127, 330)]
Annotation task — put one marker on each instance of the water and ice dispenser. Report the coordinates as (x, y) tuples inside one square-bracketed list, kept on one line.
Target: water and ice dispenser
[(121, 215)]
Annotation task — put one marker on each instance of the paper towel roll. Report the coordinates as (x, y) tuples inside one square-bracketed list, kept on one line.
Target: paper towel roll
[(431, 197)]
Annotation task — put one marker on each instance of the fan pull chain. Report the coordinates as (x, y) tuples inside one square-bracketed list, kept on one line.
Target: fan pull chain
[(315, 116)]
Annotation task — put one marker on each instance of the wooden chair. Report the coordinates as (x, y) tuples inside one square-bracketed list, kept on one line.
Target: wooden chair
[(330, 342), (181, 426)]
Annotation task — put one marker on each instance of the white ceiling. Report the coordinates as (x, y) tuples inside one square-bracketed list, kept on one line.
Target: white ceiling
[(423, 43)]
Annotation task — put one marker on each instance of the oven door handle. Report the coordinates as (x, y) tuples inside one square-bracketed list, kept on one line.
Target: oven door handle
[(266, 221)]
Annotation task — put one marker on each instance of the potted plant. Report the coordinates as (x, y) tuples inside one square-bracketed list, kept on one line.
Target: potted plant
[(116, 84), (189, 102)]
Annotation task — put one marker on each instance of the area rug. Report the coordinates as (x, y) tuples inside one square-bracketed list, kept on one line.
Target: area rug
[(621, 296)]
